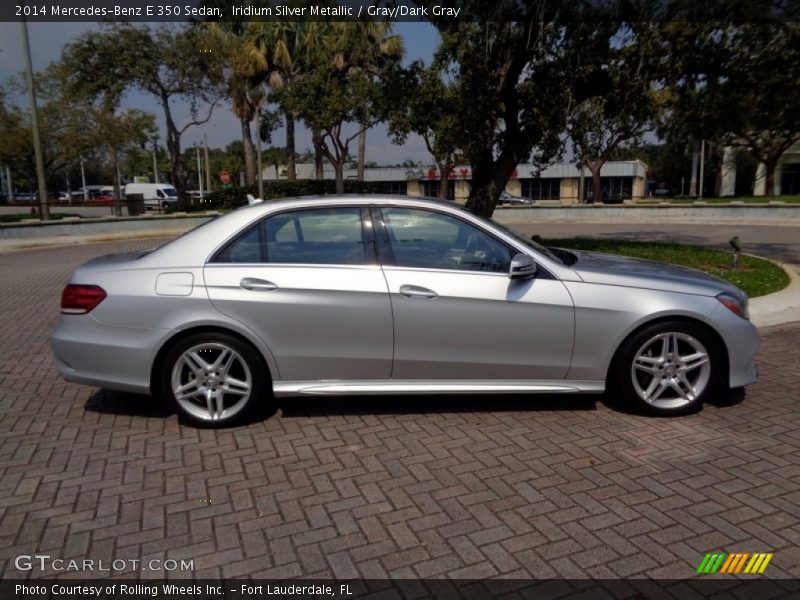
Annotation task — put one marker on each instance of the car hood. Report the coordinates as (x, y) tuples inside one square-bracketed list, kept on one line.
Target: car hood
[(609, 269)]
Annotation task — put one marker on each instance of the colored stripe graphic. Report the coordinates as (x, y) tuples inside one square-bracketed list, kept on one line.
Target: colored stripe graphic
[(721, 562), (711, 563), (758, 563), (734, 563)]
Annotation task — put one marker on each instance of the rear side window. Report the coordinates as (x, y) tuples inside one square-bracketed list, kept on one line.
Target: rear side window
[(312, 236)]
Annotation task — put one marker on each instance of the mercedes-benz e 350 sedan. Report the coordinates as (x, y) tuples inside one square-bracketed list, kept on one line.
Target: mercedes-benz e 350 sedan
[(383, 295)]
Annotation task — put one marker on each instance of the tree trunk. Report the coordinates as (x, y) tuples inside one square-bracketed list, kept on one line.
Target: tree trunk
[(339, 169), (115, 168), (249, 151), (319, 167), (484, 193), (597, 184), (362, 150), (177, 168), (489, 178), (769, 177), (290, 151), (444, 173)]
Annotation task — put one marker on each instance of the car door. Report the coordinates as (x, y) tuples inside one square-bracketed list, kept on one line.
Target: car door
[(308, 283), (457, 314)]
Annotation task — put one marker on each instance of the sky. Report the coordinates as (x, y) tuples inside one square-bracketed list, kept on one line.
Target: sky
[(47, 40)]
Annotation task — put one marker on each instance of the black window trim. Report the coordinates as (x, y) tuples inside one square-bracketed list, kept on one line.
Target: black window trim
[(367, 234)]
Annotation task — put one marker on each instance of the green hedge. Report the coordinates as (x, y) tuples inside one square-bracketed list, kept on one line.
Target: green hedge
[(234, 197)]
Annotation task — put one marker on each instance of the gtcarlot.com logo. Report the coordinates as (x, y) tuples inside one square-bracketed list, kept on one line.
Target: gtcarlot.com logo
[(45, 562), (736, 563)]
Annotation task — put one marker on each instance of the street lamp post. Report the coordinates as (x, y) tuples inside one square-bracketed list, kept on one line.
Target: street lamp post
[(37, 143), (83, 181), (258, 157), (155, 162), (199, 173)]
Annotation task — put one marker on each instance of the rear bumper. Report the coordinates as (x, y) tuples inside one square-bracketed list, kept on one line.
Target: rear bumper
[(118, 358)]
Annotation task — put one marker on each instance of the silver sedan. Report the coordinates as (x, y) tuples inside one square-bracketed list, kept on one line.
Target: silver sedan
[(372, 295)]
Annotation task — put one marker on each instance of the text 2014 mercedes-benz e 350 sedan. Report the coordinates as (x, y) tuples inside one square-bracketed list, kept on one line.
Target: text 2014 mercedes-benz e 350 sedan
[(384, 295)]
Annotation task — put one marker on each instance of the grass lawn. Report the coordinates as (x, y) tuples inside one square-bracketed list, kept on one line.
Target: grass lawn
[(17, 217), (755, 276), (745, 199)]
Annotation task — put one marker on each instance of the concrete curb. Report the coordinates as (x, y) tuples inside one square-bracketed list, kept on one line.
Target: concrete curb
[(779, 307)]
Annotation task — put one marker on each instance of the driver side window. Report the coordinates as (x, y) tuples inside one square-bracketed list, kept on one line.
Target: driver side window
[(430, 240)]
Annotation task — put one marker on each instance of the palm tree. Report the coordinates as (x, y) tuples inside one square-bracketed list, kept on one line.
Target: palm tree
[(247, 73), (368, 47), (285, 46)]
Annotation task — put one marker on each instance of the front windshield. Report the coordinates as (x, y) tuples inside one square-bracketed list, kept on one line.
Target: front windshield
[(171, 192)]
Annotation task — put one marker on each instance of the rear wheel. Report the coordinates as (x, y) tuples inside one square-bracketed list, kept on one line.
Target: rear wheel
[(669, 368), (214, 379)]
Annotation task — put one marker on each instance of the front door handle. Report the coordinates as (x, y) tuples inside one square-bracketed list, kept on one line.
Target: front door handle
[(415, 291), (257, 285)]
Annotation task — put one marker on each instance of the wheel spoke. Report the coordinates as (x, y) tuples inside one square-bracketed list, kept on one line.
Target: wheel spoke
[(195, 362), (225, 358), (662, 385), (236, 386), (194, 383), (665, 341), (219, 397), (210, 403), (189, 393), (684, 386), (648, 364), (692, 361), (673, 383), (651, 387)]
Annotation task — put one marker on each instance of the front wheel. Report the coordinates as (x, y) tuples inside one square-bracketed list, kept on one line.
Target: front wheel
[(213, 379), (668, 368)]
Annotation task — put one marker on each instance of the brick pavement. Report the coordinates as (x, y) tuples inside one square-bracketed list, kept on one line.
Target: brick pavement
[(408, 487)]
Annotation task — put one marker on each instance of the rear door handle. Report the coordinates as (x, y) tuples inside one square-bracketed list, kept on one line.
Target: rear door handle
[(415, 291), (257, 285)]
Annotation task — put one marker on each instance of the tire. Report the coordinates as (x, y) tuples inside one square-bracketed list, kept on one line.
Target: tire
[(668, 368), (214, 379)]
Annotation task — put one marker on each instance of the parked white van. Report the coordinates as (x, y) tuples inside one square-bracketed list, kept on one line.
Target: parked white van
[(156, 195)]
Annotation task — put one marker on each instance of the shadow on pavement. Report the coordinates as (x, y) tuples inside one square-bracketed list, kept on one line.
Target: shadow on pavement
[(388, 405), (105, 401), (139, 405)]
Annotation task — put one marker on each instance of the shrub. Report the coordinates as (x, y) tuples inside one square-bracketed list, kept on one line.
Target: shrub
[(236, 196)]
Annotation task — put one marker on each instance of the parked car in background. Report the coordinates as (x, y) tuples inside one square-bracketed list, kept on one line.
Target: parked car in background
[(103, 198), (393, 295), (662, 190), (156, 195), (511, 200)]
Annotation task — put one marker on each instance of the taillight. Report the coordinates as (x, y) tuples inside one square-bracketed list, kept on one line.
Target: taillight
[(81, 299)]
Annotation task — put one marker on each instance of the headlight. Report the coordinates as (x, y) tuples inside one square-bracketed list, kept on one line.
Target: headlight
[(733, 304)]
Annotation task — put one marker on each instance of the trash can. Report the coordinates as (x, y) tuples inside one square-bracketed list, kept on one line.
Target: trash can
[(135, 204)]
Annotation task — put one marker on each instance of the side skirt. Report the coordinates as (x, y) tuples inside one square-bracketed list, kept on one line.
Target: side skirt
[(394, 387)]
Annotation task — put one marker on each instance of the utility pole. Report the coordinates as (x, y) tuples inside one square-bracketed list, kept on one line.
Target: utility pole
[(8, 181), (83, 182), (208, 167), (199, 173), (155, 162), (693, 180), (37, 143), (702, 165), (258, 160)]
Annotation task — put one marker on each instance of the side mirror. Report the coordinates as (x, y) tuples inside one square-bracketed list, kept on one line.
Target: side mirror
[(522, 267)]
